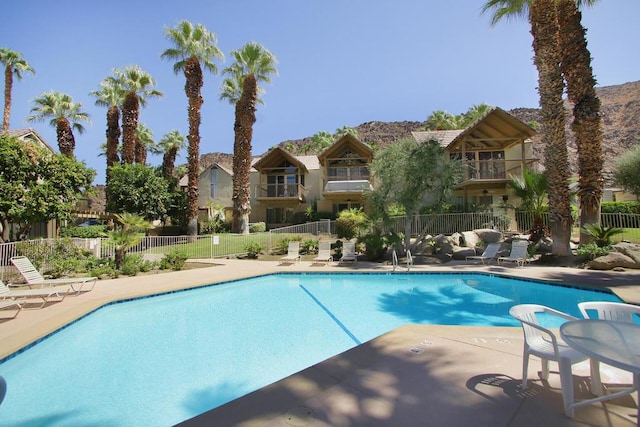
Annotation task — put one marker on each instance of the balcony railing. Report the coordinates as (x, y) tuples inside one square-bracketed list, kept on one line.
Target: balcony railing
[(495, 169), (281, 191), (353, 186)]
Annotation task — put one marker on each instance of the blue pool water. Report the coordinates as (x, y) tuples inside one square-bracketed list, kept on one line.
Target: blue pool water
[(161, 360)]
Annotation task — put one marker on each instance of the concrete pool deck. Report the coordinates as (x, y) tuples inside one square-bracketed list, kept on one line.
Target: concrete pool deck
[(416, 375)]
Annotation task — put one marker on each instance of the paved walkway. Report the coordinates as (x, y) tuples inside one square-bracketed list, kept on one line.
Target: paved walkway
[(416, 375)]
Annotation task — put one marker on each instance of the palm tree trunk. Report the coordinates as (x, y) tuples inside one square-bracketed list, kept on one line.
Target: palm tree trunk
[(551, 85), (113, 135), (66, 141), (587, 122), (243, 129), (168, 162), (130, 108), (192, 88), (140, 152), (8, 84)]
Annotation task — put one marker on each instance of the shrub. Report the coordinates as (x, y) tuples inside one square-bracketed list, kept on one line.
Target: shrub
[(258, 227), (89, 232), (105, 268), (592, 250), (253, 249), (346, 228), (174, 260), (620, 207), (214, 226), (309, 247), (282, 245), (601, 235), (375, 246)]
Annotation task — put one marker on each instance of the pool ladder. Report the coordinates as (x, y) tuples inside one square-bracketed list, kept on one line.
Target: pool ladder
[(394, 257)]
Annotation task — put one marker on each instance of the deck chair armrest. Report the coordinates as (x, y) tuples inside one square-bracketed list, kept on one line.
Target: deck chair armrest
[(548, 332), (560, 314)]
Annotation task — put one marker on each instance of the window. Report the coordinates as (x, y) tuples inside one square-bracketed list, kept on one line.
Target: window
[(491, 164), (279, 215), (214, 182)]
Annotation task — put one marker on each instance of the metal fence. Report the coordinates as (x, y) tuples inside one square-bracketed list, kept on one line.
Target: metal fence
[(227, 245)]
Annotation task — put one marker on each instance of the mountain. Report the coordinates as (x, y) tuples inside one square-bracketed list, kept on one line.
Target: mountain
[(620, 115)]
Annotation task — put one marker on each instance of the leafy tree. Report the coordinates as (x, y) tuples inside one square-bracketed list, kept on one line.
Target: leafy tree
[(323, 139), (14, 65), (194, 47), (137, 87), (36, 185), (547, 57), (139, 190), (65, 116), (253, 64), (412, 175), (111, 95), (626, 171), (442, 120)]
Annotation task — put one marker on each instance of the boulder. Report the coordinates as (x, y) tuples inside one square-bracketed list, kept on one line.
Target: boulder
[(461, 252), (455, 239), (629, 249), (471, 239), (488, 235), (613, 260)]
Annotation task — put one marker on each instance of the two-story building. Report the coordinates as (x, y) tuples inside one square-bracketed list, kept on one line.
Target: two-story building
[(493, 149)]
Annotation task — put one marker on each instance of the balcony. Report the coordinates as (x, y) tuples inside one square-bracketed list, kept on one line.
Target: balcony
[(333, 189), (281, 192), (494, 171)]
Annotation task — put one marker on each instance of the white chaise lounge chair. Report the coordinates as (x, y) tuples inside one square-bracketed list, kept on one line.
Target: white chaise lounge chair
[(45, 294), (489, 254), (349, 252), (33, 277), (9, 306), (293, 253), (518, 253), (324, 254)]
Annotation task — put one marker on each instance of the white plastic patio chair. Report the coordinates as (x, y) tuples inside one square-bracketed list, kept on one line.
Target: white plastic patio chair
[(489, 253), (518, 253), (543, 343), (606, 310), (293, 253)]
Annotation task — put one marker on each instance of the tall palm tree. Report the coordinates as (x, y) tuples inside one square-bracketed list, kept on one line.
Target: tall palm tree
[(110, 95), (65, 116), (253, 64), (544, 29), (136, 84), (169, 146), (587, 122), (144, 141), (194, 47), (441, 120), (14, 64)]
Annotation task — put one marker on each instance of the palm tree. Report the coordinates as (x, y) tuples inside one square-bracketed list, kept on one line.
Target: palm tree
[(253, 64), (14, 64), (194, 47), (441, 120), (110, 95), (169, 146), (144, 141), (587, 122), (136, 84), (65, 116), (532, 189), (544, 29), (127, 234)]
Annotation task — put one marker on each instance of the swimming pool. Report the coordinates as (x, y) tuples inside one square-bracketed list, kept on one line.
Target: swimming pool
[(164, 359)]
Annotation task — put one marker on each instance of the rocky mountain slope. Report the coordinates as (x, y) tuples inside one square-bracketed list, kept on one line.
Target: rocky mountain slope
[(621, 125)]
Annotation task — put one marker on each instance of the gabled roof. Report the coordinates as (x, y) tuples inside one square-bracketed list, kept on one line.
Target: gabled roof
[(496, 128), (184, 180), (30, 135), (275, 157), (362, 149)]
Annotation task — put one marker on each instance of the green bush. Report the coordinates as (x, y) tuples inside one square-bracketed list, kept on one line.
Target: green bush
[(89, 232), (601, 235), (592, 250), (214, 226), (375, 246), (346, 228), (258, 227), (131, 264), (620, 207), (105, 268), (309, 247), (174, 260), (282, 245), (253, 249)]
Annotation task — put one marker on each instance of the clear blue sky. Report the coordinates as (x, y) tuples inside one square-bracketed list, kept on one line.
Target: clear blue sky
[(341, 62)]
